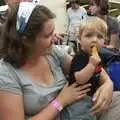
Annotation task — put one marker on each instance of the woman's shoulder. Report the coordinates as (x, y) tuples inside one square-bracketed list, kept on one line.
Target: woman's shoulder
[(58, 51), (7, 71), (8, 78), (5, 68), (58, 54)]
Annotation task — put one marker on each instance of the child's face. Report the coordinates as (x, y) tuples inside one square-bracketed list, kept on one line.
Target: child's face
[(89, 38)]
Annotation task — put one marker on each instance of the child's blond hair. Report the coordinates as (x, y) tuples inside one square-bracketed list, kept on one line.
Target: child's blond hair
[(95, 24)]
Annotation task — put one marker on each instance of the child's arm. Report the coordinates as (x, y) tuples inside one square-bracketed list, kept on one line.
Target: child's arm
[(86, 73)]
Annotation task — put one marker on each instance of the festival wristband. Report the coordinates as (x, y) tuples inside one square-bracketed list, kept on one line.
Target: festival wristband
[(56, 104)]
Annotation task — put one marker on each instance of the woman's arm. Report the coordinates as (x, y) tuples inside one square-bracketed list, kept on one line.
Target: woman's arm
[(103, 96), (68, 95), (12, 106), (104, 77)]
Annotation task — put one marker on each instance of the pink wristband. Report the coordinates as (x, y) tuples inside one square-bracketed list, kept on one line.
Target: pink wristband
[(56, 104)]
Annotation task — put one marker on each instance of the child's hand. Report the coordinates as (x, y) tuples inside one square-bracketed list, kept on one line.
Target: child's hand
[(95, 58)]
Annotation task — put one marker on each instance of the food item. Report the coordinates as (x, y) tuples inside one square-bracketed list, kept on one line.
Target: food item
[(94, 51)]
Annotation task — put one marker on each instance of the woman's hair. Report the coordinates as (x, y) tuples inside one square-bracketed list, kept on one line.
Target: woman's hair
[(95, 24), (16, 47), (103, 4)]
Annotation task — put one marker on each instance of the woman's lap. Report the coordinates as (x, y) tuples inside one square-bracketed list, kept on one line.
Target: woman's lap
[(113, 112)]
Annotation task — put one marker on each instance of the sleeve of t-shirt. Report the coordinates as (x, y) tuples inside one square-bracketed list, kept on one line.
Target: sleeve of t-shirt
[(60, 54), (9, 82)]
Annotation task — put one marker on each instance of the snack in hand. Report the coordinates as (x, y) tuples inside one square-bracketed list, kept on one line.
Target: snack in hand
[(94, 51)]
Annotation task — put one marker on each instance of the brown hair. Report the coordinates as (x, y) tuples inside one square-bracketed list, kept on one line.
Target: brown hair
[(16, 47), (74, 1), (103, 4)]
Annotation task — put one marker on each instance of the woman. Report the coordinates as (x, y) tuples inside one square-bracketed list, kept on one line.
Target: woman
[(100, 8), (32, 70)]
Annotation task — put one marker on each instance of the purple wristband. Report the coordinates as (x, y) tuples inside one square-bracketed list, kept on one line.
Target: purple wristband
[(56, 104)]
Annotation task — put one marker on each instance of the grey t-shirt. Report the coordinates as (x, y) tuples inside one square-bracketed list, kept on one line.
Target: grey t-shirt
[(113, 25), (36, 97), (113, 28)]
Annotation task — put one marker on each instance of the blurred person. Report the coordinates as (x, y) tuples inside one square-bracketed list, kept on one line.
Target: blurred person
[(100, 8), (76, 13), (32, 69)]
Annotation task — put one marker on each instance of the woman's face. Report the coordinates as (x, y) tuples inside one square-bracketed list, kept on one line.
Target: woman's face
[(94, 9), (44, 39)]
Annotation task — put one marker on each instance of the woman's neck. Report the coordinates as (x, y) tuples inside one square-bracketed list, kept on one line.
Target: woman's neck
[(33, 61)]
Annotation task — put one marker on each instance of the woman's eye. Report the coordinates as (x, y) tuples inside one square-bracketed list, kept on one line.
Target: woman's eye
[(47, 36)]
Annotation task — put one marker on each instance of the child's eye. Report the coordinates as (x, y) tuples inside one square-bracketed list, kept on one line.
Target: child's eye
[(100, 36), (88, 35)]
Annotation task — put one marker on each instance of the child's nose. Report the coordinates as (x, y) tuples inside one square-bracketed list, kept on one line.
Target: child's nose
[(94, 39)]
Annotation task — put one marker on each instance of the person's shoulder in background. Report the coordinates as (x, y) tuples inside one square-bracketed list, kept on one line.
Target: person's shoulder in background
[(113, 24), (118, 18)]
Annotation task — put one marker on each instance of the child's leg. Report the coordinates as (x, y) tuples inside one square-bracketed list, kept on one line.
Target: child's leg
[(79, 110)]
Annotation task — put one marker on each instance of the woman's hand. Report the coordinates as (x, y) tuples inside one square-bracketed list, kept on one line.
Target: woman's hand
[(72, 93), (102, 98)]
